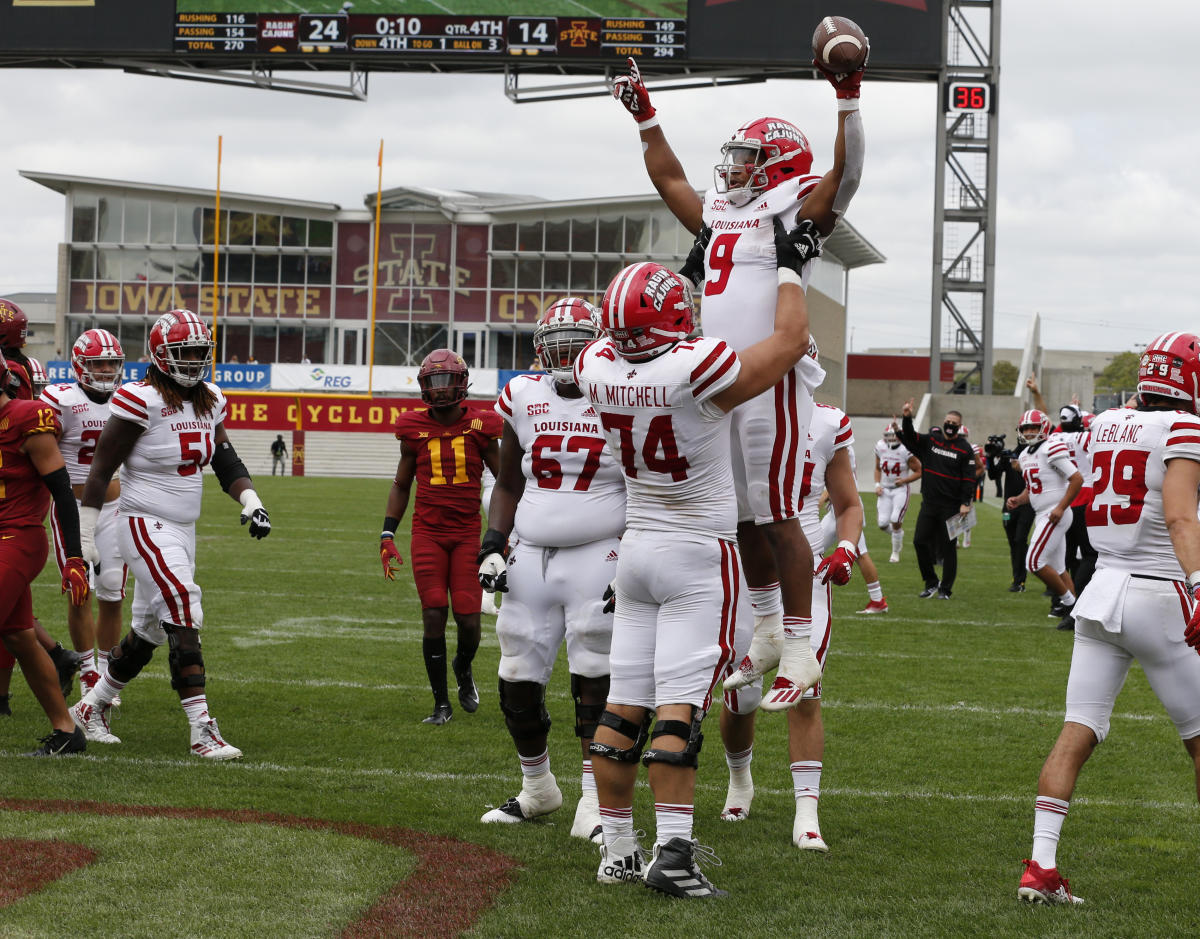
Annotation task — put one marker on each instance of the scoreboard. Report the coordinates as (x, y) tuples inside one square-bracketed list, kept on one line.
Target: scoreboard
[(365, 35)]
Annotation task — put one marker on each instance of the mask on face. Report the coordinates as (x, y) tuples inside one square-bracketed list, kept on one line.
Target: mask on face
[(950, 429)]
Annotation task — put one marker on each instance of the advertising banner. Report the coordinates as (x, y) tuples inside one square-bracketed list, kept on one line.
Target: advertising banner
[(400, 379), (250, 411), (242, 376), (63, 372)]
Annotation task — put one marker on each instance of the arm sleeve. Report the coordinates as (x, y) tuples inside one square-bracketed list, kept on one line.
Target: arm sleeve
[(910, 438), (856, 151), (65, 510)]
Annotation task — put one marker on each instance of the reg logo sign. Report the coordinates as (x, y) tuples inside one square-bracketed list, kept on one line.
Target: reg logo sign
[(324, 379)]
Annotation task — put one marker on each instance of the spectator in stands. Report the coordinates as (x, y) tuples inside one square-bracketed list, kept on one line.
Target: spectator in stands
[(278, 455)]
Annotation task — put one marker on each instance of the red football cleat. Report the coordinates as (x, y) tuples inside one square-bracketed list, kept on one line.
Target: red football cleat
[(1042, 885)]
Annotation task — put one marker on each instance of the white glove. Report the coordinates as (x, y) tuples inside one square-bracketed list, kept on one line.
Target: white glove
[(493, 573), (254, 513), (87, 534)]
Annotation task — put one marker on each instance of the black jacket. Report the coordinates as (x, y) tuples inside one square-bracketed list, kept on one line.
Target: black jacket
[(947, 467), (1000, 467)]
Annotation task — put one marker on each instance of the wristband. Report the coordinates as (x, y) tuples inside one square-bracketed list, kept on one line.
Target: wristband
[(250, 501), (384, 535), (849, 548), (651, 121), (1193, 581), (89, 516), (788, 276), (847, 104)]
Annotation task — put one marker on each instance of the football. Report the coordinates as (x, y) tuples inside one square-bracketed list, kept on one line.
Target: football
[(839, 45)]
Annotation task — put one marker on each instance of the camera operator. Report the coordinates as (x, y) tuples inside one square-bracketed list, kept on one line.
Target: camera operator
[(1003, 469)]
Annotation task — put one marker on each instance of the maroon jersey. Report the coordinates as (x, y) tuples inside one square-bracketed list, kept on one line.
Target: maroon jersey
[(24, 498), (449, 466)]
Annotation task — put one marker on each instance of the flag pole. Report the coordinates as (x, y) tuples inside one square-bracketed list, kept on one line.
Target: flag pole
[(374, 277), (216, 250)]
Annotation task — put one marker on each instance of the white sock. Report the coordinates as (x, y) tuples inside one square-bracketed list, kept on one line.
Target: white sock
[(739, 766), (806, 785), (106, 689), (672, 821), (535, 765), (797, 627), (616, 822), (897, 540), (1067, 598), (875, 592), (766, 600), (87, 664), (588, 780), (1048, 817), (196, 708), (102, 661)]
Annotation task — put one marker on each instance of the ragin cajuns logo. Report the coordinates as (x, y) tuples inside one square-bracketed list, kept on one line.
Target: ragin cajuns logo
[(659, 285), (782, 130)]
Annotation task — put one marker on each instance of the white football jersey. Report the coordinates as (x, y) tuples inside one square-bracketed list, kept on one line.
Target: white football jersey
[(82, 421), (162, 477), (1077, 442), (671, 440), (574, 489), (738, 300), (893, 461), (1130, 450), (1046, 467), (829, 432)]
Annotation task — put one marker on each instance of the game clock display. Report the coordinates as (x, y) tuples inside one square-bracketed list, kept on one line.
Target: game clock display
[(968, 96), (314, 34)]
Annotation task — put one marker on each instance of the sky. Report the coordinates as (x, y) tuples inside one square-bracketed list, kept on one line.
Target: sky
[(1098, 211)]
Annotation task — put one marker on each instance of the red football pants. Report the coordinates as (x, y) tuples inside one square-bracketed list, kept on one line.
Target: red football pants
[(23, 554), (445, 563)]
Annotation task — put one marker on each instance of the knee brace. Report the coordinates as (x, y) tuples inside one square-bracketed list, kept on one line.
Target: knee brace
[(129, 657), (688, 756), (184, 644), (625, 728), (588, 713), (523, 704)]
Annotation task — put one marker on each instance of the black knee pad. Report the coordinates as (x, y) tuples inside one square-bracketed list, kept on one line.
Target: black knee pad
[(523, 704), (129, 657), (626, 728), (689, 755), (184, 644), (587, 714)]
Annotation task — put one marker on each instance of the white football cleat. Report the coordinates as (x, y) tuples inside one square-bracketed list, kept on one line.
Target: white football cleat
[(763, 654), (207, 742), (810, 841), (737, 802), (587, 819), (92, 719), (622, 863), (895, 558), (799, 670), (489, 604), (539, 795)]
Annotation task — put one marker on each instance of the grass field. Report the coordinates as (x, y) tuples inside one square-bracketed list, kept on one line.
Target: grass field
[(938, 716), (675, 9)]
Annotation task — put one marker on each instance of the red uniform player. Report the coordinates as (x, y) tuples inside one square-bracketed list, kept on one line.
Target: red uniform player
[(445, 448)]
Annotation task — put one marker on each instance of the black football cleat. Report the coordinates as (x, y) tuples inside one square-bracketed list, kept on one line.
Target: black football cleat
[(66, 663), (928, 592), (1016, 587), (441, 714), (673, 871), (5, 710), (60, 743), (468, 694), (1066, 624)]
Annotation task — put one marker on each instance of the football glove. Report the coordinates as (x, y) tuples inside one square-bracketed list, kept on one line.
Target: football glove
[(254, 513), (75, 580), (846, 84), (795, 248), (693, 267), (1192, 634), (87, 534), (610, 598), (387, 554), (838, 566), (493, 571), (631, 92)]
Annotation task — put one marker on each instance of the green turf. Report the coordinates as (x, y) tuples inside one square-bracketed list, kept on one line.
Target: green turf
[(675, 9), (938, 716)]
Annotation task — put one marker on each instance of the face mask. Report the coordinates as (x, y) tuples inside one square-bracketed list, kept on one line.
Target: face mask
[(950, 429)]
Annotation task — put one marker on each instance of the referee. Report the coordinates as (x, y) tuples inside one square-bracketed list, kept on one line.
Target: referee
[(947, 489)]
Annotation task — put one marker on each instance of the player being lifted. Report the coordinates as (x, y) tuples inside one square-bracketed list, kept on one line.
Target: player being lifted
[(559, 507), (663, 401), (764, 175), (82, 407), (162, 432), (444, 447)]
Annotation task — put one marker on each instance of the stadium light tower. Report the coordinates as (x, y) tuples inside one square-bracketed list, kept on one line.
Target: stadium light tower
[(964, 218)]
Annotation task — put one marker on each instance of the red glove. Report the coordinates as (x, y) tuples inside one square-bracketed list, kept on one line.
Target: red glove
[(839, 565), (1192, 634), (632, 93), (75, 580), (846, 84), (387, 554)]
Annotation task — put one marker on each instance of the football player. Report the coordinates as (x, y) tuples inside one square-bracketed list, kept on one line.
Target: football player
[(31, 474), (162, 432), (554, 530), (1052, 481), (444, 447), (1138, 606), (764, 175), (895, 469), (663, 400), (82, 408)]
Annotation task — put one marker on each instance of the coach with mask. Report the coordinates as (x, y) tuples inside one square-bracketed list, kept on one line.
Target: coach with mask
[(947, 489)]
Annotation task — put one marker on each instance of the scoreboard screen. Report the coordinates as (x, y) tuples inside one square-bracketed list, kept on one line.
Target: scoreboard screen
[(395, 27)]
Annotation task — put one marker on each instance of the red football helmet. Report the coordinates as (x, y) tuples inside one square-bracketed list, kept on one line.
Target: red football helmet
[(98, 348), (181, 346), (37, 376), (443, 379), (647, 308), (1170, 367), (16, 381), (1034, 427), (14, 325), (759, 156), (561, 333)]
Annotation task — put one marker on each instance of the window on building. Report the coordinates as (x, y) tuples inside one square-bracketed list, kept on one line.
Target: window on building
[(83, 217), (504, 272), (241, 228), (187, 265), (83, 263), (208, 226), (188, 223), (583, 234), (160, 266), (162, 223), (294, 231), (504, 237), (109, 215), (137, 221), (263, 347), (316, 343), (234, 339), (558, 236), (320, 233), (611, 234), (320, 268), (529, 237), (239, 268), (291, 269), (557, 274), (583, 275), (266, 230), (266, 269)]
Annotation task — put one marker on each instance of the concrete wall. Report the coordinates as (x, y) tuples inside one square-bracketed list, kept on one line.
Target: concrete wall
[(827, 321), (1059, 384), (983, 414), (882, 398)]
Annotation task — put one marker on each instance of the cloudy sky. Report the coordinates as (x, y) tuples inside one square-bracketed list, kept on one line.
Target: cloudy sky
[(1099, 198)]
